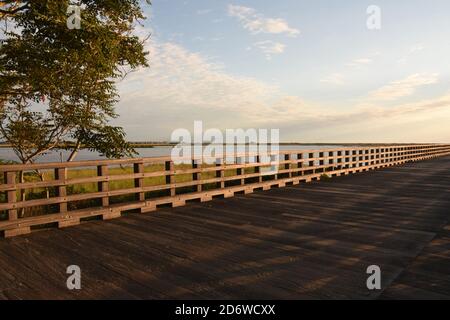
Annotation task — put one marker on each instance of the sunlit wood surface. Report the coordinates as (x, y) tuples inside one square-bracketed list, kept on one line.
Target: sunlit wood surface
[(309, 241)]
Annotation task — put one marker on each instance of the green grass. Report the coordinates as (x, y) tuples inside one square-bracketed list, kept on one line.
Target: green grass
[(73, 189)]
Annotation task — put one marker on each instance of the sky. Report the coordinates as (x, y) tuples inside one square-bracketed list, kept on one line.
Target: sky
[(312, 69)]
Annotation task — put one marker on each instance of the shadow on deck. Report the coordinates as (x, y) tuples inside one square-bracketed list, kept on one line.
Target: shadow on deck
[(312, 241)]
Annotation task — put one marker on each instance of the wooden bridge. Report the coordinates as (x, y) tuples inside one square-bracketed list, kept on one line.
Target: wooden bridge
[(290, 240)]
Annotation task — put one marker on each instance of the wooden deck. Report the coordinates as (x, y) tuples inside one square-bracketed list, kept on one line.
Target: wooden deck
[(311, 241)]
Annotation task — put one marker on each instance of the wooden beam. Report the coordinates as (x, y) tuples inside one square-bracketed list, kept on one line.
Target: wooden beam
[(103, 186), (170, 178), (10, 178), (61, 175), (197, 176), (138, 168)]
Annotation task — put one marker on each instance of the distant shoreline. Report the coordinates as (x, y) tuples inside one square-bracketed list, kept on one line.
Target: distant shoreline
[(169, 144)]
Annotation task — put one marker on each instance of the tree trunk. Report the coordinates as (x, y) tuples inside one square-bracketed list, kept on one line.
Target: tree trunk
[(74, 152), (42, 178)]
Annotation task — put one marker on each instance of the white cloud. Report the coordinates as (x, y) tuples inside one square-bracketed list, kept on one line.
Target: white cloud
[(257, 23), (370, 124), (422, 106), (181, 86), (337, 78), (411, 51), (360, 62), (270, 48), (416, 48), (403, 88), (334, 78), (403, 109)]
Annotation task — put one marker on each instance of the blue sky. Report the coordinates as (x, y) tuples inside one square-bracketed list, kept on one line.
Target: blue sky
[(309, 68)]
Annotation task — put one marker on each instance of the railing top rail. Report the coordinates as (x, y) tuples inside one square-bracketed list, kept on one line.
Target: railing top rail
[(149, 160)]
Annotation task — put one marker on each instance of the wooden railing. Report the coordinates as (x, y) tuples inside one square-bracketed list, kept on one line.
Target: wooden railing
[(78, 191)]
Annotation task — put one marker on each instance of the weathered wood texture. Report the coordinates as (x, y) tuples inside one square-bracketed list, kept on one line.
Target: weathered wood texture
[(311, 241), (292, 167)]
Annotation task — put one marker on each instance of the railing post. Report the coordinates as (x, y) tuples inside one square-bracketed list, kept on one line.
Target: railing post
[(221, 173), (321, 161), (339, 160), (311, 162), (170, 178), (139, 182), (330, 160), (300, 163), (240, 171), (103, 186), (197, 176), (258, 168), (355, 159), (288, 166), (10, 178), (61, 191), (275, 158)]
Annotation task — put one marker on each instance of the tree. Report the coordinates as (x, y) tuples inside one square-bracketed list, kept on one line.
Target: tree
[(58, 85)]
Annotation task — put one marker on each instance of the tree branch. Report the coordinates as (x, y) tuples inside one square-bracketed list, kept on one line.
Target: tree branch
[(13, 11)]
